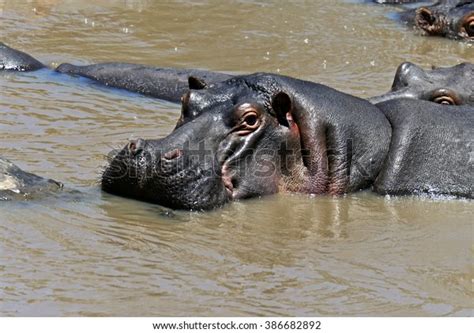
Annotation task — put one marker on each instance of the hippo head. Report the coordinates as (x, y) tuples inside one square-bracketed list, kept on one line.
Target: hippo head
[(227, 145), (451, 18), (450, 85), (251, 136)]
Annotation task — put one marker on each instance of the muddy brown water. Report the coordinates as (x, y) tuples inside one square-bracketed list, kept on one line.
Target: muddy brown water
[(89, 253)]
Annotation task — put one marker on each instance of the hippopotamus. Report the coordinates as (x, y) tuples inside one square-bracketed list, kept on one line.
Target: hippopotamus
[(443, 85), (16, 184), (448, 18), (259, 134)]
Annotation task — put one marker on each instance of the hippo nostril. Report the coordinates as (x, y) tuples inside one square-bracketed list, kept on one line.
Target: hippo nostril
[(135, 146), (173, 154)]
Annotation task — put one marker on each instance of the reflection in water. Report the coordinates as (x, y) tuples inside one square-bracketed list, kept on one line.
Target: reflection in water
[(96, 254)]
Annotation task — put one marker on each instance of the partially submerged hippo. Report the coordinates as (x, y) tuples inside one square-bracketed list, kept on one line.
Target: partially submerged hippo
[(18, 184), (443, 85), (260, 134), (15, 60), (164, 83), (446, 18)]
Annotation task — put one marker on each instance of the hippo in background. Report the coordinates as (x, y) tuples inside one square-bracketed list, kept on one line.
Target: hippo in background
[(15, 60), (164, 83), (446, 18), (16, 184), (260, 134), (442, 85)]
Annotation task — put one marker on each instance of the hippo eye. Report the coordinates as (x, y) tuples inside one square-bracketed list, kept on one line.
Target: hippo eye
[(250, 119), (248, 122), (445, 97), (468, 26), (446, 100)]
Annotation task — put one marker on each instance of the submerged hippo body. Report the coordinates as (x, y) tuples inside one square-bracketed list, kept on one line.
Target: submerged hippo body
[(450, 85), (16, 184), (447, 18)]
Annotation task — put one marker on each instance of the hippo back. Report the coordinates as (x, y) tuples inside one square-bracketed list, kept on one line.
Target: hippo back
[(11, 59), (431, 150)]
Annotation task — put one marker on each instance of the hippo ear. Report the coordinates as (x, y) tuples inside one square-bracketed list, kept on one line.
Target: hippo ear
[(426, 20), (282, 105), (407, 73), (196, 83)]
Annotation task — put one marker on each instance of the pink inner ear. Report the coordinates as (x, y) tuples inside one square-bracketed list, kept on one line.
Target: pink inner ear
[(292, 124)]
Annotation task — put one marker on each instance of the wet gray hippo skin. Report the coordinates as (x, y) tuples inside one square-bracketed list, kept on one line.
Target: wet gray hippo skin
[(254, 135), (164, 83), (431, 151), (448, 18), (450, 85), (11, 59), (16, 184)]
